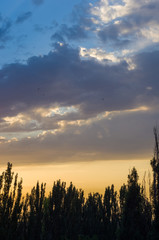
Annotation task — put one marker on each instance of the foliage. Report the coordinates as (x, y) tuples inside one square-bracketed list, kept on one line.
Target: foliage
[(11, 204), (136, 211)]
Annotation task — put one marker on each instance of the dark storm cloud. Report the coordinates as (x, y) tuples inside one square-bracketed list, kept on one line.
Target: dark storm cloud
[(23, 17), (63, 79)]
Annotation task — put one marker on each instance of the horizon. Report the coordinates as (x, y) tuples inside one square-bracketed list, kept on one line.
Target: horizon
[(91, 177)]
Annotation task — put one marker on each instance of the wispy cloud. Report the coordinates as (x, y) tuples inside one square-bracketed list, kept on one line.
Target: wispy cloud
[(75, 32), (37, 2), (4, 29), (23, 17)]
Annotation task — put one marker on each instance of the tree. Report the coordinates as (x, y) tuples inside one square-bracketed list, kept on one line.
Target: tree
[(136, 216), (10, 204), (155, 185), (54, 211), (36, 205), (73, 211), (111, 212), (93, 215)]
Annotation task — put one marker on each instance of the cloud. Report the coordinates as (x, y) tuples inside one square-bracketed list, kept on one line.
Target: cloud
[(100, 55), (78, 27), (64, 106), (122, 135), (37, 2), (115, 25), (4, 30), (84, 103), (58, 37), (75, 32), (126, 23), (62, 79), (23, 17), (113, 35), (109, 11)]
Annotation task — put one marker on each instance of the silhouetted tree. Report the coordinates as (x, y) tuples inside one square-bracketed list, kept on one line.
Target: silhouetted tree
[(10, 204), (36, 203), (54, 211), (93, 215), (111, 212), (73, 207), (155, 185), (66, 215), (136, 217), (25, 218), (122, 198)]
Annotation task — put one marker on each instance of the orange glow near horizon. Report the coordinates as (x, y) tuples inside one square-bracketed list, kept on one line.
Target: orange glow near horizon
[(89, 176)]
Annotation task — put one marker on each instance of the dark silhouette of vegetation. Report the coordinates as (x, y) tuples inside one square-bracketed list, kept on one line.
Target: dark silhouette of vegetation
[(136, 211), (65, 214)]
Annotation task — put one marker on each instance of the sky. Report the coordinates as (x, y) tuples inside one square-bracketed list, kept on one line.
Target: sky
[(78, 85)]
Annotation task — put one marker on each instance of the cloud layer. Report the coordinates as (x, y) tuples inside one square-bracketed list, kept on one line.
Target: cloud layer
[(62, 78), (93, 96), (68, 103)]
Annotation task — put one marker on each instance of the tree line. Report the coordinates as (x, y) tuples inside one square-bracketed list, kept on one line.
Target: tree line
[(65, 214)]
